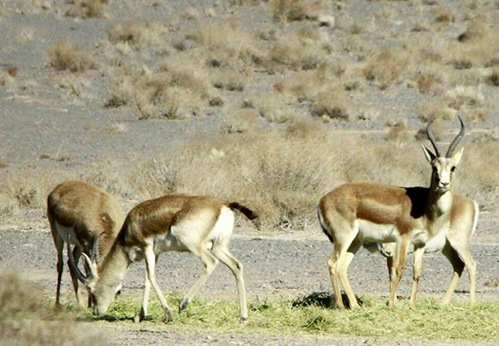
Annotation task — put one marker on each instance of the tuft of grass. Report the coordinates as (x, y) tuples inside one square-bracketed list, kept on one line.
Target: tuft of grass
[(387, 67), (86, 8), (429, 320), (67, 56)]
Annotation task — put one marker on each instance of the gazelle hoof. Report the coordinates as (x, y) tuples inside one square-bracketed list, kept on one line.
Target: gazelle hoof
[(242, 319)]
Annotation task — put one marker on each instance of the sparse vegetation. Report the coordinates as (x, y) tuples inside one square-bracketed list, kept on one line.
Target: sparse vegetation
[(67, 56), (308, 315)]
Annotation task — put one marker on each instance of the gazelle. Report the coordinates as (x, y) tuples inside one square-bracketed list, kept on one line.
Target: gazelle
[(359, 213), (198, 224), (84, 214), (455, 246)]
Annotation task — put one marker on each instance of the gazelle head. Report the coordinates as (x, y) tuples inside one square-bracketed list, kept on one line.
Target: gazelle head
[(443, 167), (102, 294)]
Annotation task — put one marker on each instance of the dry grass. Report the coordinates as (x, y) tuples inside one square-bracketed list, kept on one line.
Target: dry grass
[(86, 8), (387, 67), (67, 56), (136, 33), (25, 318)]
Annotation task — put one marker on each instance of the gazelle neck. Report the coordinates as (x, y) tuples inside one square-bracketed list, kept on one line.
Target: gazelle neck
[(114, 267), (439, 207)]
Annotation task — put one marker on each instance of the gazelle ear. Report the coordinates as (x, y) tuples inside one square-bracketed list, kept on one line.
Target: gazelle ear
[(456, 158), (428, 154)]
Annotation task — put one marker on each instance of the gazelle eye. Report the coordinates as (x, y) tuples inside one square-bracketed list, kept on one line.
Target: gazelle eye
[(453, 169)]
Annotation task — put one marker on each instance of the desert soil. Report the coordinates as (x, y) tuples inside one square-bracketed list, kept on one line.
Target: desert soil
[(286, 265)]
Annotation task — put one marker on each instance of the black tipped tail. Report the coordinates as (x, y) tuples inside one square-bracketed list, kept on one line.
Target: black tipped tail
[(250, 214)]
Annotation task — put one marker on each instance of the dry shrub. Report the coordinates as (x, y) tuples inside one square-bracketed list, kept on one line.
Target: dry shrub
[(292, 56), (398, 132), (135, 32), (66, 56), (243, 120), (387, 67), (86, 8), (286, 11), (477, 177), (174, 91), (227, 43), (330, 104), (229, 79), (444, 16), (25, 320), (493, 76), (464, 97), (428, 110), (423, 82), (477, 46)]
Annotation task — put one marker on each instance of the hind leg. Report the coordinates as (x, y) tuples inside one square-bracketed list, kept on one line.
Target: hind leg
[(459, 258), (222, 253), (343, 268)]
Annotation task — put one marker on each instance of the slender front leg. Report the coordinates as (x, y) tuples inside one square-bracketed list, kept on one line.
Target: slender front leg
[(145, 300), (418, 267), (150, 258), (400, 258)]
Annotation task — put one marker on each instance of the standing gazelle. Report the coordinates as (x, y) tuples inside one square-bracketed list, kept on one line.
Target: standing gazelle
[(83, 214), (455, 247), (198, 224), (359, 213)]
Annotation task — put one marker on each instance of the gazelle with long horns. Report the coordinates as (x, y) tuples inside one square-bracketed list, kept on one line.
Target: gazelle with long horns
[(360, 213), (87, 218), (198, 224)]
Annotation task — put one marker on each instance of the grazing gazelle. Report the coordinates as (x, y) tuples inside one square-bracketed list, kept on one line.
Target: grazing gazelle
[(198, 224), (455, 247), (360, 213), (82, 213)]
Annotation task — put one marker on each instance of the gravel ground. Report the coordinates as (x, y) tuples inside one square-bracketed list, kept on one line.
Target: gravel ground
[(275, 266)]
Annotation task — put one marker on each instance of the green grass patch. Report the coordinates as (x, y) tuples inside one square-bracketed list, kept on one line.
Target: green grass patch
[(306, 316)]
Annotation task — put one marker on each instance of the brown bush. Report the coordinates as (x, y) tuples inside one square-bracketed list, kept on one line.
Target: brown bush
[(387, 67), (86, 8), (66, 56)]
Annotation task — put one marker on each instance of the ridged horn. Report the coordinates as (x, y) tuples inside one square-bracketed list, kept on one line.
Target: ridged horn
[(431, 138), (456, 140), (72, 263)]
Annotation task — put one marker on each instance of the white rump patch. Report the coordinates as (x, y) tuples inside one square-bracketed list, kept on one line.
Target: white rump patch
[(224, 226)]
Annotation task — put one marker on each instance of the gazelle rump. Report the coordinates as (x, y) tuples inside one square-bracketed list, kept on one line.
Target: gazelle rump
[(455, 245), (198, 224), (82, 213), (360, 213)]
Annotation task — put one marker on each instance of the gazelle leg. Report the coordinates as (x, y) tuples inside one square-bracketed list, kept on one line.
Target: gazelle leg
[(333, 273), (60, 267), (145, 299), (210, 262), (459, 259), (223, 254), (150, 258), (418, 267), (400, 258), (343, 268)]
